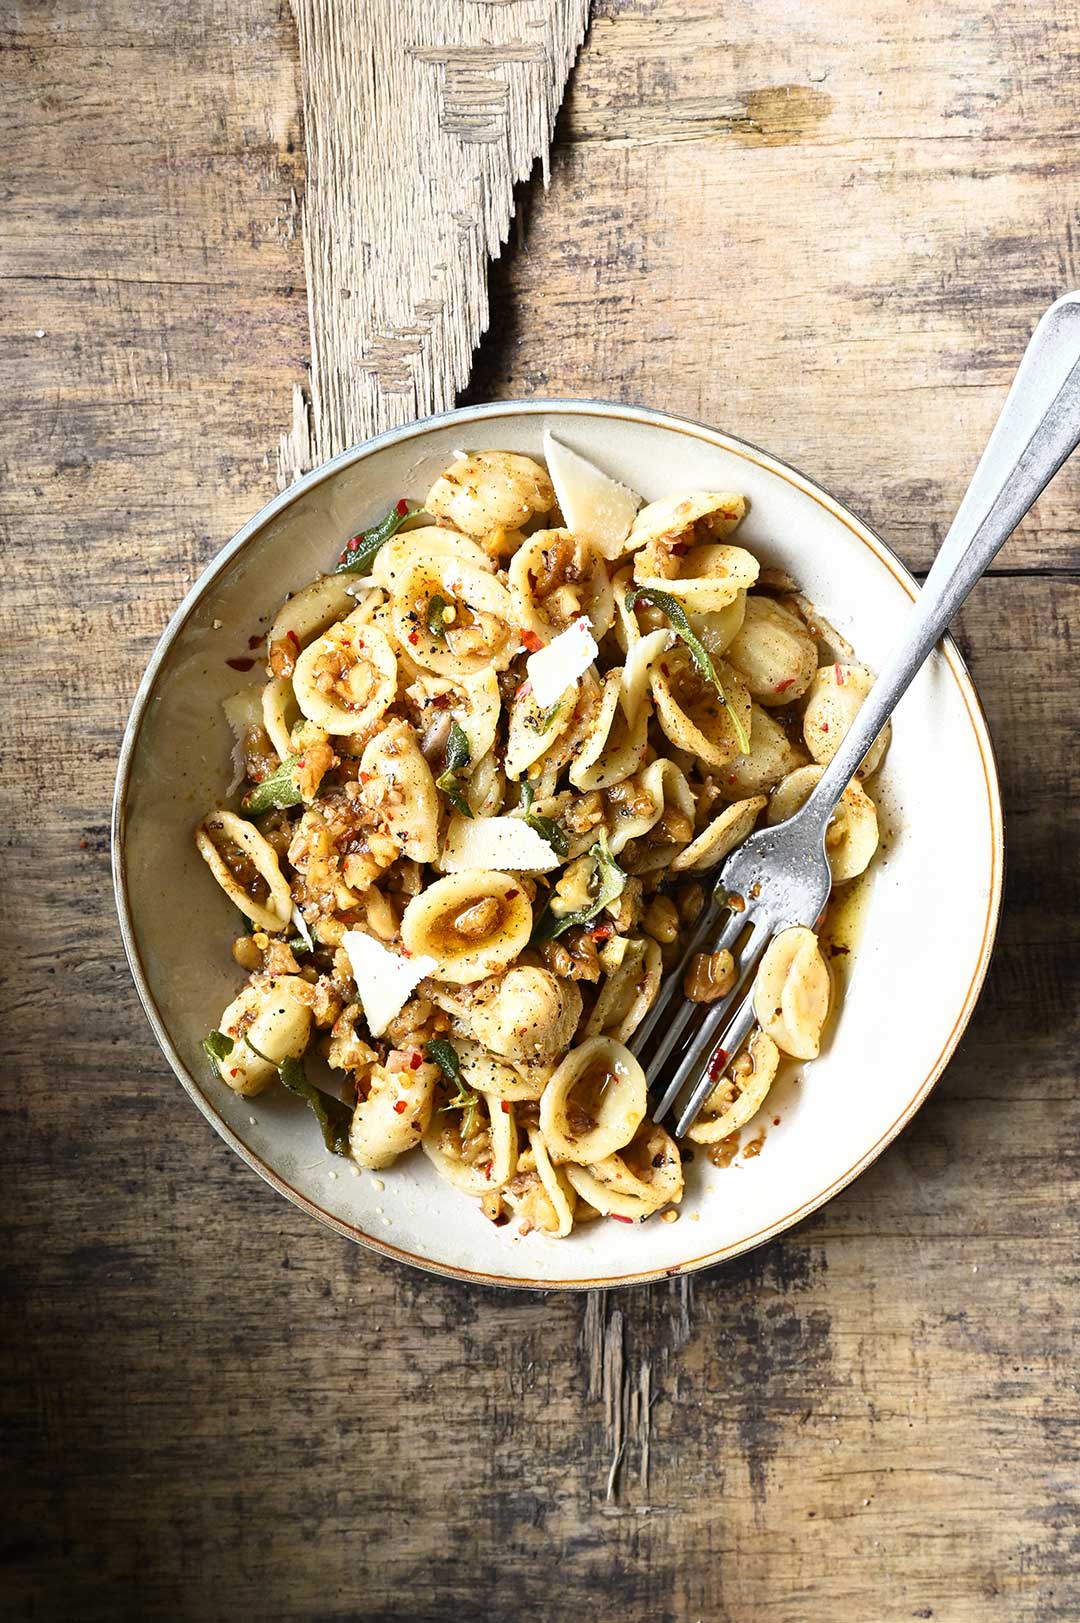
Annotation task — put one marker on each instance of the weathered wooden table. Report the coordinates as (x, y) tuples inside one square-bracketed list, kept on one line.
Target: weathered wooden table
[(829, 227)]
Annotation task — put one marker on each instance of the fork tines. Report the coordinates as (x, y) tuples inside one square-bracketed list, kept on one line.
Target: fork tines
[(700, 1039)]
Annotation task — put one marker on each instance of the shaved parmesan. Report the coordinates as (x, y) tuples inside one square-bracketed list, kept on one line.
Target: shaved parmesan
[(384, 979), (507, 844), (300, 926), (593, 506), (565, 659), (243, 712), (639, 661)]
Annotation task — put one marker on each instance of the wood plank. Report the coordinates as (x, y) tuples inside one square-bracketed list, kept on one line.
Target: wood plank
[(823, 228), (212, 1406), (245, 1399), (419, 122)]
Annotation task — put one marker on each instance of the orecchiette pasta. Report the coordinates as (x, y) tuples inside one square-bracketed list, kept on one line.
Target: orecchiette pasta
[(246, 867), (852, 835), (346, 678), (835, 698), (472, 924), (491, 491), (462, 886), (266, 1024), (594, 1102), (791, 992)]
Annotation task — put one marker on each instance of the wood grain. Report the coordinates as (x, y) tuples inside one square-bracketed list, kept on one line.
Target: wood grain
[(420, 120), (213, 1409)]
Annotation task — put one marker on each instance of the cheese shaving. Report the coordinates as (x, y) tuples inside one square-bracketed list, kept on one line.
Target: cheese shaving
[(507, 844), (562, 663), (592, 505), (384, 979)]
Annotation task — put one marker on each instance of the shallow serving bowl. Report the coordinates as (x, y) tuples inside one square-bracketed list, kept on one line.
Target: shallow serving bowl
[(912, 981)]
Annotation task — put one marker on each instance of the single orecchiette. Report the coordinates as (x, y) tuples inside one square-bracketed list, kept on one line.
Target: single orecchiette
[(402, 790), (454, 618), (246, 867), (528, 1016), (836, 696), (594, 1103), (615, 747), (472, 924), (721, 836), (489, 491), (477, 1155), (740, 1092), (628, 991), (394, 1115), (346, 678), (791, 992), (690, 710), (555, 578), (852, 835), (637, 1181), (267, 1024), (772, 755), (773, 652)]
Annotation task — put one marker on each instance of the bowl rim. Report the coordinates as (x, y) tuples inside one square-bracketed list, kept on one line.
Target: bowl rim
[(493, 411)]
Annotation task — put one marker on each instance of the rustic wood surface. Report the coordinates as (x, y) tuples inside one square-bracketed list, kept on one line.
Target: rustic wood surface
[(829, 227)]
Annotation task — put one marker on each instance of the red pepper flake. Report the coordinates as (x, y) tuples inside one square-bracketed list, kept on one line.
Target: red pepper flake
[(292, 637), (400, 1106), (505, 1107), (616, 1218), (441, 701), (511, 894), (235, 1071), (838, 673), (416, 1059), (532, 642), (489, 1169), (717, 1063), (824, 726), (240, 664), (525, 688), (362, 777), (414, 637), (600, 932), (402, 508), (782, 687)]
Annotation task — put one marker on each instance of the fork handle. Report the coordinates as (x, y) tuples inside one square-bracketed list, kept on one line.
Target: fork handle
[(1038, 429)]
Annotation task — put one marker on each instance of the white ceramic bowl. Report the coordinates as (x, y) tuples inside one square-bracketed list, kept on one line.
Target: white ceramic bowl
[(928, 927)]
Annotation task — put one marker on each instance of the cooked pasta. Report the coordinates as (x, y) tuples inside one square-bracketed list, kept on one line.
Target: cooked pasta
[(496, 754)]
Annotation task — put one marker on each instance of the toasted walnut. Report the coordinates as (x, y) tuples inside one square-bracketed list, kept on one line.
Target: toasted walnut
[(347, 1051), (709, 976), (690, 899), (661, 920), (573, 957), (247, 953), (584, 814), (279, 959), (478, 920), (317, 758), (416, 1024)]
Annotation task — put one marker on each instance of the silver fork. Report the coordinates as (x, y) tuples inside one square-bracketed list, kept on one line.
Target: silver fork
[(780, 876)]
